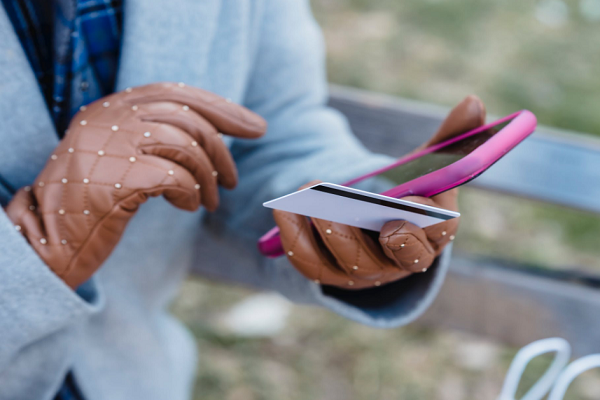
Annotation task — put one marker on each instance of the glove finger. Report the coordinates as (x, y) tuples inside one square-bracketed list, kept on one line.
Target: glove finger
[(467, 115), (407, 245), (29, 219), (444, 233), (203, 135), (21, 204), (359, 256), (439, 235), (447, 200), (157, 173), (180, 196), (303, 251), (309, 184), (194, 162), (228, 117), (176, 145)]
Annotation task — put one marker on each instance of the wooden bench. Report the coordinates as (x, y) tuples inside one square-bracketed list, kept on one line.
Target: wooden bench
[(510, 303)]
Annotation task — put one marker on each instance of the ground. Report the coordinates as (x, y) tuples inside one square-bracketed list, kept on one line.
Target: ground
[(514, 54), (320, 356)]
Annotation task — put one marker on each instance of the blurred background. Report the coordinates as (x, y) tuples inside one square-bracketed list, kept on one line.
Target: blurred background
[(540, 55)]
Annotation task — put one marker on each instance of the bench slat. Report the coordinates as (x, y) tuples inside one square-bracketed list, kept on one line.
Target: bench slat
[(514, 307), (552, 166)]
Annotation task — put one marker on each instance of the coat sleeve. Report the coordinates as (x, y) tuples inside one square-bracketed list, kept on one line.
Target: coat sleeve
[(306, 140), (38, 314)]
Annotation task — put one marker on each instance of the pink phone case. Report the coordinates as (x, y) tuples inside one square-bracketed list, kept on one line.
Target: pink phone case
[(456, 174)]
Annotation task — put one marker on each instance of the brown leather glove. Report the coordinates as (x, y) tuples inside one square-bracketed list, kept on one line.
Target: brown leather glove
[(339, 255), (159, 139)]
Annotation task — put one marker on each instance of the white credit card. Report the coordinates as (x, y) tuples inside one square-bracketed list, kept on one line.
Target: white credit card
[(358, 208)]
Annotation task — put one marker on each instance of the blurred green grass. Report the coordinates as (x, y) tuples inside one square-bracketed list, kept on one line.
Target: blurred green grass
[(528, 232), (440, 50), (321, 356), (514, 54)]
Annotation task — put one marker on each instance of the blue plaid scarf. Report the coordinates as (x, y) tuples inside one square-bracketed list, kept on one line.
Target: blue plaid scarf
[(73, 48)]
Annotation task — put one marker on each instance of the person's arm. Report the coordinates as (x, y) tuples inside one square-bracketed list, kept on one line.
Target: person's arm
[(37, 313), (156, 140), (305, 140)]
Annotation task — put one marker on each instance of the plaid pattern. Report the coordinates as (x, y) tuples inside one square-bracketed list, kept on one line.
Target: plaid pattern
[(69, 390), (32, 22), (73, 47)]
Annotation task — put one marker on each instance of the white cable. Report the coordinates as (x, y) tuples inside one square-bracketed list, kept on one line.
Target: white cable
[(574, 369), (524, 356)]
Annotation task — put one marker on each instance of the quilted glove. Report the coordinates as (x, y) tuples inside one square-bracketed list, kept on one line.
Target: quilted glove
[(339, 255), (159, 139)]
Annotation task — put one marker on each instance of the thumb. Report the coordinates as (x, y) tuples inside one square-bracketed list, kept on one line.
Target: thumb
[(467, 115), (406, 245), (309, 184)]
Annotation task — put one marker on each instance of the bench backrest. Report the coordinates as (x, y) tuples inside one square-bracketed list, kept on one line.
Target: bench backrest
[(552, 166)]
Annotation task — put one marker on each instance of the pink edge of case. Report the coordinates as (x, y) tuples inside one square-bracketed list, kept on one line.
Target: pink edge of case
[(446, 178)]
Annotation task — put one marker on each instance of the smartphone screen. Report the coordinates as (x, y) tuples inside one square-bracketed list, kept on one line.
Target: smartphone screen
[(430, 162)]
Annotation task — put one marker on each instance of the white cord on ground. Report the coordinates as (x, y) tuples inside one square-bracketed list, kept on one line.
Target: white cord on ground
[(574, 369), (522, 359)]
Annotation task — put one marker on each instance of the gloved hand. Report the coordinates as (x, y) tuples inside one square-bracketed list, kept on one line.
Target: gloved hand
[(339, 255), (159, 139)]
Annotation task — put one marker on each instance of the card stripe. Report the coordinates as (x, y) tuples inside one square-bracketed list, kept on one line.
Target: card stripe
[(381, 202)]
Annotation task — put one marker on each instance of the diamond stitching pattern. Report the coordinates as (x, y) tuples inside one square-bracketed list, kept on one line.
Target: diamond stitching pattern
[(105, 167)]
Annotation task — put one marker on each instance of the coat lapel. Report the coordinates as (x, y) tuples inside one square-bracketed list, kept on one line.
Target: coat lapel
[(27, 135), (167, 40)]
